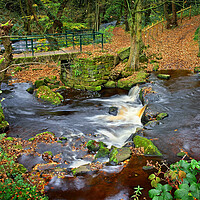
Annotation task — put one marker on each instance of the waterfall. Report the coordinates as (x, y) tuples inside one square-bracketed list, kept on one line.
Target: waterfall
[(115, 130)]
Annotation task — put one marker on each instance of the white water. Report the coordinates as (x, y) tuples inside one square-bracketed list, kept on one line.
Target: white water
[(117, 129)]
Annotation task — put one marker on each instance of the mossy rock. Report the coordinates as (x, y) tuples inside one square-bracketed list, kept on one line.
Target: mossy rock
[(103, 152), (94, 146), (79, 87), (124, 53), (97, 83), (46, 94), (39, 83), (83, 169), (128, 84), (161, 116), (9, 138), (46, 132), (149, 147), (110, 84), (118, 155), (30, 90), (93, 88), (164, 76)]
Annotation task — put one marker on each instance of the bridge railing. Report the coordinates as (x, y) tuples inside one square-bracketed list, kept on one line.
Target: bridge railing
[(52, 42)]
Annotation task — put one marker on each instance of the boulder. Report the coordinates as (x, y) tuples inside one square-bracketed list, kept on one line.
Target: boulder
[(94, 146), (83, 169), (103, 152), (164, 76), (124, 53), (149, 147), (118, 155), (46, 94), (151, 124), (148, 95), (127, 84), (113, 111)]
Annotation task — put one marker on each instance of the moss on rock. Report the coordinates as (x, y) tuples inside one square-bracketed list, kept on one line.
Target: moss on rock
[(149, 147), (110, 84), (129, 83), (164, 76), (46, 94), (161, 116), (102, 152), (118, 155)]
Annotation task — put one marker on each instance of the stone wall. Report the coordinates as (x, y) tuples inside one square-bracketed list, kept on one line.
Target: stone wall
[(89, 74)]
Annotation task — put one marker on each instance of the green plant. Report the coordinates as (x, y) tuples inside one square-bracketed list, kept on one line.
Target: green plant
[(13, 182), (107, 33), (137, 192), (76, 68), (181, 178)]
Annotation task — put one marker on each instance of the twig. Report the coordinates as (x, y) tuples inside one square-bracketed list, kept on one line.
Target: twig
[(28, 63)]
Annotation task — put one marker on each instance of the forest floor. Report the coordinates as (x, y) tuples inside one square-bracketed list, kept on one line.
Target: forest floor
[(176, 49)]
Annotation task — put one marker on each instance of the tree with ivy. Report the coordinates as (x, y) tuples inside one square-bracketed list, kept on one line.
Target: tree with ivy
[(7, 56)]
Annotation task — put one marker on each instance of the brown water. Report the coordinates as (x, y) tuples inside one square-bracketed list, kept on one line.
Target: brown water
[(80, 117)]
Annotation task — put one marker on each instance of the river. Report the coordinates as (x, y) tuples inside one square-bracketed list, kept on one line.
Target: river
[(85, 115)]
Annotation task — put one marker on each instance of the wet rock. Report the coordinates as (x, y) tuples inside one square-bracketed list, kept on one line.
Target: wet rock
[(118, 155), (29, 161), (147, 95), (102, 152), (94, 146), (81, 154), (151, 124), (164, 76), (148, 115), (113, 111), (83, 169), (149, 147)]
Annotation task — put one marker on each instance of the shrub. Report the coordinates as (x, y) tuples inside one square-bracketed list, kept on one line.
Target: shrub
[(181, 179)]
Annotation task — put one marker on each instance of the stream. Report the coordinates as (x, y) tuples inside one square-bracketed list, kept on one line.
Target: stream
[(85, 115)]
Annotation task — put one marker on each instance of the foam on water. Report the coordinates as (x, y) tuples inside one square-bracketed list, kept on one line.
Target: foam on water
[(117, 129)]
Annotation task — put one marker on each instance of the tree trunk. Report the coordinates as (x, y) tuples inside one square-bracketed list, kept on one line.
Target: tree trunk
[(4, 31), (174, 15), (97, 16), (199, 41), (167, 15), (136, 38), (171, 22), (127, 28)]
